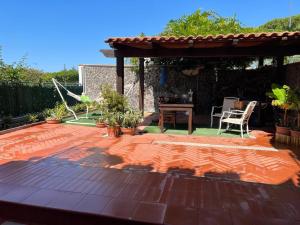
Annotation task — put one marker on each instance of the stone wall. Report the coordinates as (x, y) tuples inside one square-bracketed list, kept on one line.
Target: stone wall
[(95, 75)]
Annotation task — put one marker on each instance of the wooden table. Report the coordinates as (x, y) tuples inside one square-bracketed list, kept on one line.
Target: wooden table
[(177, 107)]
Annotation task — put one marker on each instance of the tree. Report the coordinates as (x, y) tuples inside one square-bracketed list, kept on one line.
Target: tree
[(282, 24), (20, 72), (205, 23), (66, 75)]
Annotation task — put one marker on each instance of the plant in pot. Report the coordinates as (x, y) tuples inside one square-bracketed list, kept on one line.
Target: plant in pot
[(55, 115), (295, 105), (281, 99), (32, 117), (130, 121), (111, 125), (119, 118), (111, 100), (101, 121)]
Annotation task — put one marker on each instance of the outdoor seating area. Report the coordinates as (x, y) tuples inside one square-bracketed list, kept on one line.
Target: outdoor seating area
[(195, 124)]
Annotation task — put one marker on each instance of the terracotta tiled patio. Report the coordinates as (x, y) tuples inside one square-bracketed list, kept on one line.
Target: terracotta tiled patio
[(66, 174)]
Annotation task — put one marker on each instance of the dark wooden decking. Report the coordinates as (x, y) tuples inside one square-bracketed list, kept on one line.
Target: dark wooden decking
[(84, 179), (49, 192)]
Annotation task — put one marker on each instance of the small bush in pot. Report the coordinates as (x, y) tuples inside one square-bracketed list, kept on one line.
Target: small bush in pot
[(101, 121), (111, 100), (56, 114), (32, 117), (79, 107), (111, 125), (130, 121), (281, 99)]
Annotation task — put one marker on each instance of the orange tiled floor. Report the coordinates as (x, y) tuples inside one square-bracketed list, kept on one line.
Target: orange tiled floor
[(271, 177), (86, 146)]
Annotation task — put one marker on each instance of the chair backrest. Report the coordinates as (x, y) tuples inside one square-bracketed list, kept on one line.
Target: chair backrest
[(249, 110), (228, 103)]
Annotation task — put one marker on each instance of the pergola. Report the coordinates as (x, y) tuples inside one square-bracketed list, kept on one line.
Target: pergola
[(232, 45)]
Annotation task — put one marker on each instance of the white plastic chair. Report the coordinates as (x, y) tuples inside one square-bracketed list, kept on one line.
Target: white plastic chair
[(238, 117), (228, 104)]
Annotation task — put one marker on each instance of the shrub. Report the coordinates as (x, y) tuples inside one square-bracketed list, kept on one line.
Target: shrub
[(57, 113), (281, 99), (79, 107), (32, 117), (111, 100), (131, 119)]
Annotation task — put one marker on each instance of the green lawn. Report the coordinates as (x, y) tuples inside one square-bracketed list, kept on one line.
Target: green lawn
[(202, 131), (90, 121)]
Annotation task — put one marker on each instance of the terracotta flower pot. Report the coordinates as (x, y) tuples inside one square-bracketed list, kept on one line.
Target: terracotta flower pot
[(53, 121), (295, 137), (128, 131), (283, 130), (295, 133), (283, 135), (118, 130), (100, 125), (112, 131)]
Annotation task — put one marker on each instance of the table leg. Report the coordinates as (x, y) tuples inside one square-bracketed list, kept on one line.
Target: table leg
[(190, 124), (162, 121)]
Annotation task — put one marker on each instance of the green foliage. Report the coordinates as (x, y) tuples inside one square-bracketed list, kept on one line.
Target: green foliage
[(67, 75), (112, 101), (204, 23), (79, 107), (57, 113), (101, 119), (110, 119), (282, 24), (281, 96), (20, 72), (131, 118), (32, 117)]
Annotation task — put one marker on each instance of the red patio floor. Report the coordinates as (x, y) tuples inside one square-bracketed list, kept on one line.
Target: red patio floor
[(65, 174)]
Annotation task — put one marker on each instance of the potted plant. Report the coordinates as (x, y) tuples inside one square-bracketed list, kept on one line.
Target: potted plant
[(130, 121), (281, 100), (111, 125), (101, 122), (32, 117), (119, 118), (295, 105), (55, 115)]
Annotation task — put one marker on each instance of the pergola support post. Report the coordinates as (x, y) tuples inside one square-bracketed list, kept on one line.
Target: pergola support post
[(120, 75), (142, 84), (260, 62)]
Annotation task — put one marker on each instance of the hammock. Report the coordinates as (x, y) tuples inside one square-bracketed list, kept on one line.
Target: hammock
[(83, 98)]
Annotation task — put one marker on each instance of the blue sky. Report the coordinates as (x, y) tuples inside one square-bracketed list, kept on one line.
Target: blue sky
[(56, 32)]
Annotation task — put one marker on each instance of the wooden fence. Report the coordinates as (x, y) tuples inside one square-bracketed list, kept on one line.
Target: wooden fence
[(21, 98)]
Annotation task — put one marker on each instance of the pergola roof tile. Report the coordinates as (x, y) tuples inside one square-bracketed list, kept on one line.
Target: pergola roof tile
[(172, 39)]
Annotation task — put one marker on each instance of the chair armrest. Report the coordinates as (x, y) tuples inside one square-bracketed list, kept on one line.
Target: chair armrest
[(228, 114), (237, 111)]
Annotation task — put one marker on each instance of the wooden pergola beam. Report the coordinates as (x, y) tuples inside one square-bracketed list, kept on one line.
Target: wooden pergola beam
[(125, 51)]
